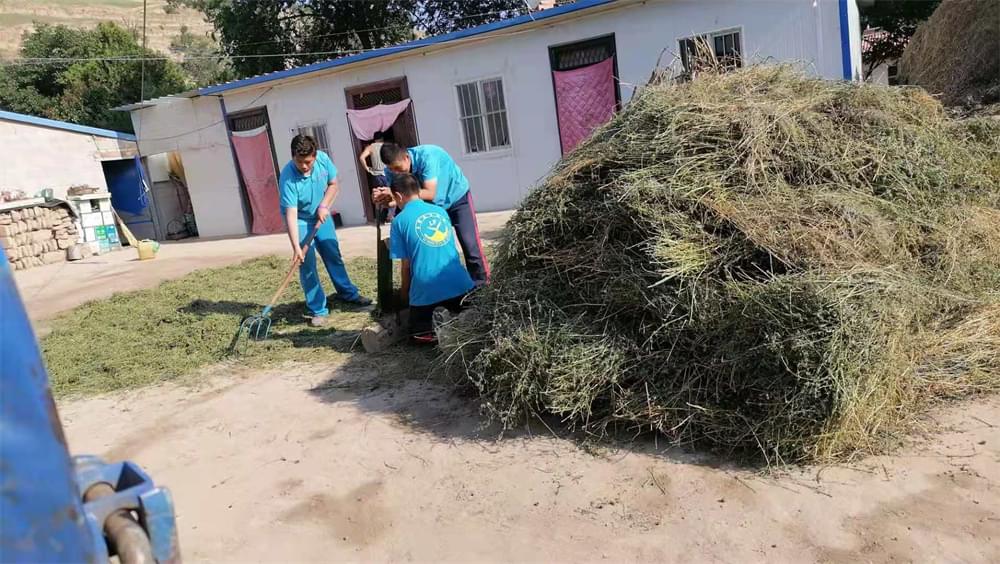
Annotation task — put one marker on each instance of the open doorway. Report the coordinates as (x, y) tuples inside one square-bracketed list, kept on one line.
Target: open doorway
[(168, 186), (403, 130), (131, 197), (150, 196)]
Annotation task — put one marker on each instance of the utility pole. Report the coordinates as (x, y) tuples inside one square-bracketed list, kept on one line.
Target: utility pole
[(142, 62)]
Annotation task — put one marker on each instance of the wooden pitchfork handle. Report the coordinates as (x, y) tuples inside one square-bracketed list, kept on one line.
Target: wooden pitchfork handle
[(291, 270)]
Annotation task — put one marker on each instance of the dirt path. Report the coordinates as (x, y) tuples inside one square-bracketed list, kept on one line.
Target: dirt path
[(354, 463)]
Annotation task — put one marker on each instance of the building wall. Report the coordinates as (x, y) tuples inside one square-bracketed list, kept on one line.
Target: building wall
[(35, 158), (194, 127), (784, 30), (158, 166)]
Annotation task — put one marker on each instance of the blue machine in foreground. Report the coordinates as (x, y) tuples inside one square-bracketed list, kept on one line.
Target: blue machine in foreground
[(54, 508)]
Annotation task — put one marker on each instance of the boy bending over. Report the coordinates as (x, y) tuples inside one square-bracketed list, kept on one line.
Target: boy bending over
[(421, 237)]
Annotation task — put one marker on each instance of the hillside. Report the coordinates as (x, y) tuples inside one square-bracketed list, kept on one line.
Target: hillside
[(17, 16)]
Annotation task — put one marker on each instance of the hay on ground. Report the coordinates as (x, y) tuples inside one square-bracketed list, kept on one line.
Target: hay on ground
[(758, 262)]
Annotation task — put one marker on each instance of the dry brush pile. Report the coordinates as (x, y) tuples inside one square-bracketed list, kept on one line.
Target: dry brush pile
[(760, 263)]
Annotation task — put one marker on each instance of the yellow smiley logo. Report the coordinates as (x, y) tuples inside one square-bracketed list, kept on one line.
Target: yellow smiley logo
[(433, 230)]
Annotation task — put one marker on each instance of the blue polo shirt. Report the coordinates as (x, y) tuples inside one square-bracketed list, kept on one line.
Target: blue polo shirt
[(305, 192), (430, 162), (423, 235)]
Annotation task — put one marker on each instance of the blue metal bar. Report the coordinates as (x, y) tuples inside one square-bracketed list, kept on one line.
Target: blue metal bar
[(43, 516), (845, 40), (64, 125)]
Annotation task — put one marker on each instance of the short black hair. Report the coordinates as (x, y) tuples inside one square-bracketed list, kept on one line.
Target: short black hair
[(405, 184), (303, 146), (391, 153)]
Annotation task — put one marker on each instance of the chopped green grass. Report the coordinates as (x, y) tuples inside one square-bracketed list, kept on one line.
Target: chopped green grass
[(182, 326)]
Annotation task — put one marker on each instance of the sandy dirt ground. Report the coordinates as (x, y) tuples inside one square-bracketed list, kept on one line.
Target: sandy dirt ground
[(354, 462), (350, 463)]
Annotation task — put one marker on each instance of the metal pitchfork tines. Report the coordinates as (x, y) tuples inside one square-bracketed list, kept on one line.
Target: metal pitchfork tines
[(258, 327)]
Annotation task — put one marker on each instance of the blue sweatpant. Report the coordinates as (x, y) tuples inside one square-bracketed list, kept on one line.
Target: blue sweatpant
[(329, 250)]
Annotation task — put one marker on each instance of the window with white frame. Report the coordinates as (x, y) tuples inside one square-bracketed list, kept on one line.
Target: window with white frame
[(318, 132), (725, 46), (483, 114)]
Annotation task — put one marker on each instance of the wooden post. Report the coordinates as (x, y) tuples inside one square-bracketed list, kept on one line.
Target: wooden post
[(386, 295), (392, 326)]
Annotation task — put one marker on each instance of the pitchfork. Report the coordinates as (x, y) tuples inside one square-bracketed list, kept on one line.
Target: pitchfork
[(258, 327)]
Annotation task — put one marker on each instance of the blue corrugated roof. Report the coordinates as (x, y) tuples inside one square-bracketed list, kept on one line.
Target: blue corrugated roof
[(463, 34), (64, 125)]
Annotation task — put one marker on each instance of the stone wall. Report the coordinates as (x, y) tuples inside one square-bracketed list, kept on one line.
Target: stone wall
[(37, 235)]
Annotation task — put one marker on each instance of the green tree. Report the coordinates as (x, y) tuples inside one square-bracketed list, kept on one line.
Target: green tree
[(18, 97), (898, 19), (90, 76), (201, 58), (268, 35), (444, 16)]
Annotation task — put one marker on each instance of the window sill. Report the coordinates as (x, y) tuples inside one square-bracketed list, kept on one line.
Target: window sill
[(487, 155)]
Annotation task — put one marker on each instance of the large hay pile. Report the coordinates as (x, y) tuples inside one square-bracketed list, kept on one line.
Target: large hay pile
[(956, 53), (757, 262)]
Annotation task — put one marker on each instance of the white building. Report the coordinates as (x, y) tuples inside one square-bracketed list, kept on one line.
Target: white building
[(41, 154), (487, 95), (44, 154)]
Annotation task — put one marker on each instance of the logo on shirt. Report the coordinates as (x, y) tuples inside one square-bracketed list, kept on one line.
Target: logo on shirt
[(433, 230)]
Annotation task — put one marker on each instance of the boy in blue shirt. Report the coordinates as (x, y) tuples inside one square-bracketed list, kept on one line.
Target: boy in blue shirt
[(432, 272), (442, 183), (306, 190)]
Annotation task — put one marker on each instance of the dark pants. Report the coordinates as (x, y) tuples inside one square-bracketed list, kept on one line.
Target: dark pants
[(463, 216), (421, 317)]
